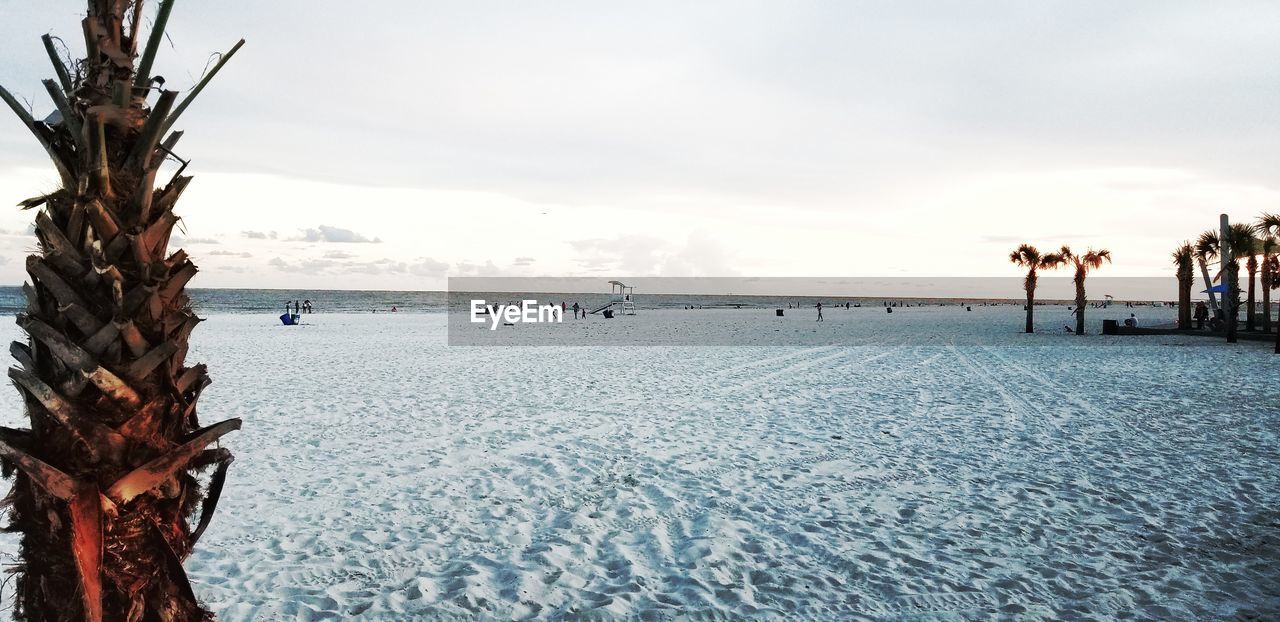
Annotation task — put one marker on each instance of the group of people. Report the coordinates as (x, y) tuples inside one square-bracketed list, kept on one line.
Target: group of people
[(299, 307)]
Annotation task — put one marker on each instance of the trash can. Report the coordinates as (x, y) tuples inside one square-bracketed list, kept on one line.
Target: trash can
[(778, 312), (1110, 327)]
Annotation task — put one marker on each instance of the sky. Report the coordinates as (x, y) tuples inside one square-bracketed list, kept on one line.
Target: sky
[(351, 148)]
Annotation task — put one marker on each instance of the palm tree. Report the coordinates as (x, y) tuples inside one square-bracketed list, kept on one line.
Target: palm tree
[(1183, 260), (1240, 241), (1027, 256), (1266, 250), (1207, 250), (1269, 227), (1245, 241), (103, 483), (1091, 260)]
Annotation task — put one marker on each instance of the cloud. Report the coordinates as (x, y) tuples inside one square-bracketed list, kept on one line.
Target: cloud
[(337, 235), (309, 266), (426, 266), (644, 255), (523, 261), (470, 269), (339, 255), (182, 240), (423, 266), (259, 235), (226, 253)]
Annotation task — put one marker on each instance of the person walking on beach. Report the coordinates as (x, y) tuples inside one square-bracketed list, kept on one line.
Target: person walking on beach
[(1202, 314), (575, 310), (820, 312)]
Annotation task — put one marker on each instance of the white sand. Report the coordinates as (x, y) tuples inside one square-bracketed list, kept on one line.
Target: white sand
[(963, 471)]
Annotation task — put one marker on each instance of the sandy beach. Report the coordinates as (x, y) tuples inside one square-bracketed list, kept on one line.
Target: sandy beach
[(957, 470)]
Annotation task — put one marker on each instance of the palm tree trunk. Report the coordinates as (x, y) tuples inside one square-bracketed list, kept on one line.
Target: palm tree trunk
[(1208, 285), (1232, 300), (1251, 311), (1030, 286), (1266, 294), (1080, 302), (103, 489), (1185, 281)]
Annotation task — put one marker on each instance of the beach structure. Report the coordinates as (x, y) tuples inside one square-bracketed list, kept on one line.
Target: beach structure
[(104, 493), (621, 300), (290, 317)]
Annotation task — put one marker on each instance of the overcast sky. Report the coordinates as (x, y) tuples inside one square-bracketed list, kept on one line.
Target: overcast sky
[(354, 147)]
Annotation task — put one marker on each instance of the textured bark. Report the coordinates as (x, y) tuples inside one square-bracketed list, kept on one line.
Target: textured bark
[(1266, 292), (1030, 286), (105, 491), (1080, 300), (1232, 300), (1208, 284), (1251, 311), (1183, 261), (1185, 282)]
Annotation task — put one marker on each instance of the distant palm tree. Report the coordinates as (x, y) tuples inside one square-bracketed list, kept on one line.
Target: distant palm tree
[(1245, 241), (1240, 241), (1027, 256), (1183, 259), (1269, 227), (1207, 250), (1091, 260)]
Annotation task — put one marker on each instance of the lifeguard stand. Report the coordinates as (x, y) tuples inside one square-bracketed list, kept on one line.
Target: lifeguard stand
[(624, 297)]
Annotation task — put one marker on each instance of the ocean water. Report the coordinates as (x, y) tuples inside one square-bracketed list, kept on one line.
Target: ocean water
[(238, 301)]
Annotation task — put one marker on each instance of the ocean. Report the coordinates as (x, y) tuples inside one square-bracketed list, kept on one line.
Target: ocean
[(208, 301)]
